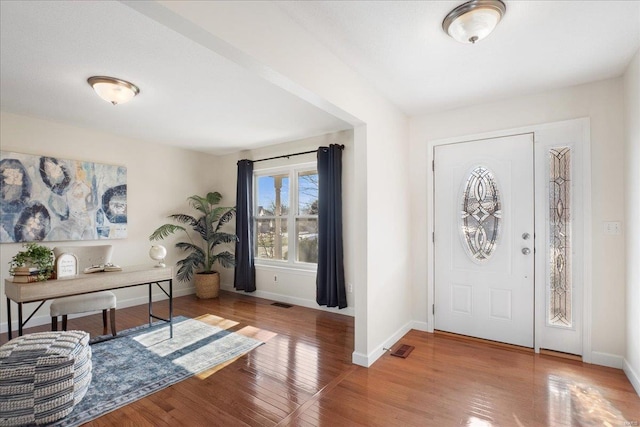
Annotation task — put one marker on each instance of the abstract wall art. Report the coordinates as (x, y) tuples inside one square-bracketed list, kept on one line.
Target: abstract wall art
[(51, 199)]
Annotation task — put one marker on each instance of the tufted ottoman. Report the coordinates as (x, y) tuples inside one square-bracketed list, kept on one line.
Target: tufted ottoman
[(43, 376)]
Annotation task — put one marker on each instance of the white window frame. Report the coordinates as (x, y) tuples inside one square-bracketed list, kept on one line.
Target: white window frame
[(292, 171)]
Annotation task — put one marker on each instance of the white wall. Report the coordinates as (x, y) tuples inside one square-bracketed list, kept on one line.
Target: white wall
[(159, 179), (632, 212), (603, 103), (262, 38), (296, 286)]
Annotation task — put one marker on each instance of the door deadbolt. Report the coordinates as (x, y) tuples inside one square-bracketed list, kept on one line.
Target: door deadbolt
[(526, 236)]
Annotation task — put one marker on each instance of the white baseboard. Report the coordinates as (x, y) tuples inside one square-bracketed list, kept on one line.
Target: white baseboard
[(420, 326), (348, 311), (44, 319), (633, 376), (360, 359), (606, 359), (368, 359)]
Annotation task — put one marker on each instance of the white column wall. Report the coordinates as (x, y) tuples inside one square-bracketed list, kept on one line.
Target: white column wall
[(261, 37), (632, 213), (603, 103)]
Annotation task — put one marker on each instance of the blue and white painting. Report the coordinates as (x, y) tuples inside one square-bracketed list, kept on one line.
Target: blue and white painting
[(51, 199)]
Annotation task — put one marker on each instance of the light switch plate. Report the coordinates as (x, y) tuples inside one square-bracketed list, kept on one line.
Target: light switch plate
[(612, 227)]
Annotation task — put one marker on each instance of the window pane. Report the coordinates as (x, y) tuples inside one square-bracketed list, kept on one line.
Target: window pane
[(481, 214), (272, 238), (307, 238), (273, 195), (560, 285), (308, 193)]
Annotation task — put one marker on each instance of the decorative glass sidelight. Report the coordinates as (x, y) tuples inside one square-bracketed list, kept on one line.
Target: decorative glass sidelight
[(481, 216), (560, 285)]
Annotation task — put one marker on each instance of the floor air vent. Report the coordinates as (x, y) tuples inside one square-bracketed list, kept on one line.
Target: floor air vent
[(281, 304), (403, 351)]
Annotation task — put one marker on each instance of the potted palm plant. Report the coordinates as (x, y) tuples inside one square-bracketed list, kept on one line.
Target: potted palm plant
[(201, 246)]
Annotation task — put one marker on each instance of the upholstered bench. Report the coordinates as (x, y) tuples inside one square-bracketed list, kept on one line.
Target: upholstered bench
[(104, 300), (43, 376)]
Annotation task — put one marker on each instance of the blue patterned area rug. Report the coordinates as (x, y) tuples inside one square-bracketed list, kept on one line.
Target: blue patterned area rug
[(143, 360)]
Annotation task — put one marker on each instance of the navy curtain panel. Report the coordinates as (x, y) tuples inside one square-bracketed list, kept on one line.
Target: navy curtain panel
[(330, 286), (245, 272)]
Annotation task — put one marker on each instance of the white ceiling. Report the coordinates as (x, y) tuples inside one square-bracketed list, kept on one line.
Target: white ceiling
[(193, 98), (189, 96), (400, 47)]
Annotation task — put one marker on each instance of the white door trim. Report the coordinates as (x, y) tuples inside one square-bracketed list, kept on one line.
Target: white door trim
[(584, 124)]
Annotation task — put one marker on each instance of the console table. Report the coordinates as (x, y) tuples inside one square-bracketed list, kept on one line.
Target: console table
[(22, 293)]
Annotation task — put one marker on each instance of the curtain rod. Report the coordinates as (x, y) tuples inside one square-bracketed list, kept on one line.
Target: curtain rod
[(286, 156)]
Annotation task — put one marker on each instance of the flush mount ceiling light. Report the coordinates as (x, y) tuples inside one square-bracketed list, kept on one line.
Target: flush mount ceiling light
[(473, 20), (113, 90)]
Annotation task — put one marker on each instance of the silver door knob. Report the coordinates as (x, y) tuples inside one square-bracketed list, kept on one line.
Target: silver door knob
[(526, 251)]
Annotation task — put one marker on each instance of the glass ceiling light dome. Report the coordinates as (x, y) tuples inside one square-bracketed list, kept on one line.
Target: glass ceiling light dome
[(473, 20), (115, 91)]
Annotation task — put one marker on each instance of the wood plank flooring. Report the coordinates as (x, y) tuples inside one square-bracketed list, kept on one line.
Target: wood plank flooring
[(304, 377)]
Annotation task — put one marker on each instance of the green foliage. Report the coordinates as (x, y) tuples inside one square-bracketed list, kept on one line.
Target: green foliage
[(207, 234), (37, 256)]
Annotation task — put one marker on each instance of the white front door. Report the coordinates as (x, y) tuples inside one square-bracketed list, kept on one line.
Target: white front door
[(484, 230)]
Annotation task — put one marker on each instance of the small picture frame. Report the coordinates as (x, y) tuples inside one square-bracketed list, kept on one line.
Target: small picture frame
[(66, 265)]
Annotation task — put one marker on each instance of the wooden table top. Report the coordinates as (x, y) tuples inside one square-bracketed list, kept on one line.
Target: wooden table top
[(85, 283)]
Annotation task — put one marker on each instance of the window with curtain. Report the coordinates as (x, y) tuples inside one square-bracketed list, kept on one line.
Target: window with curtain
[(286, 216)]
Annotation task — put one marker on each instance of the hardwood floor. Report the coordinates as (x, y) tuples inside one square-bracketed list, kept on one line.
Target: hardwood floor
[(304, 377)]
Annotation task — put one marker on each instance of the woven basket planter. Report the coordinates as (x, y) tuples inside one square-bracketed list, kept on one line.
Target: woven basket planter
[(207, 285)]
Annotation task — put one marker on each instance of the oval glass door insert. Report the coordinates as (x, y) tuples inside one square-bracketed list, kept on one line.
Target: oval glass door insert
[(481, 216)]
